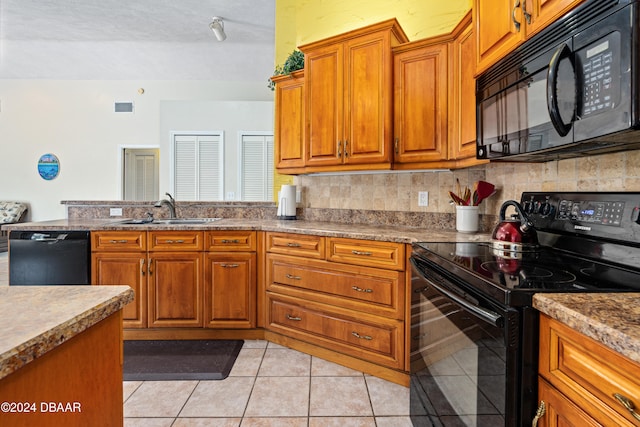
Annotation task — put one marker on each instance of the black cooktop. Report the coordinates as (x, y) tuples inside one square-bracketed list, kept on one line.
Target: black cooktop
[(514, 278)]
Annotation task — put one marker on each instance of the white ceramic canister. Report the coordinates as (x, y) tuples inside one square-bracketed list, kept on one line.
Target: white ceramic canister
[(467, 219)]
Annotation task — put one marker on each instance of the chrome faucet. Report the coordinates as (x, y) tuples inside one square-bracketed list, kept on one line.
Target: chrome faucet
[(171, 204)]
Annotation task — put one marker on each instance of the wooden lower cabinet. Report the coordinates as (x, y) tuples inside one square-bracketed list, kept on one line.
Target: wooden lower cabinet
[(230, 290), (175, 290), (124, 268), (182, 279), (342, 299), (579, 379), (372, 338)]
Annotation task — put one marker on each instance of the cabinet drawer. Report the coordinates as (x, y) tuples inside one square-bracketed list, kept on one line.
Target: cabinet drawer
[(588, 373), (175, 240), (296, 244), (119, 241), (370, 290), (230, 241), (367, 337), (366, 252)]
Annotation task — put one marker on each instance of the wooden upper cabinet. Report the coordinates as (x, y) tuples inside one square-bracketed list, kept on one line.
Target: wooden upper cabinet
[(462, 91), (348, 97), (502, 25), (289, 122), (420, 102), (434, 101)]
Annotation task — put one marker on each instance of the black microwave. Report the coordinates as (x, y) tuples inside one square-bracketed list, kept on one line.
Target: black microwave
[(569, 91)]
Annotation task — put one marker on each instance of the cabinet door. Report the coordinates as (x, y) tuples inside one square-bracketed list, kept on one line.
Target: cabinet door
[(324, 100), (175, 289), (124, 269), (367, 112), (230, 289), (497, 29), (289, 123), (420, 96), (462, 102), (560, 411), (544, 12)]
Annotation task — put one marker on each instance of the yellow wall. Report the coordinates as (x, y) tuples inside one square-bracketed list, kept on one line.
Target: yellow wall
[(303, 21)]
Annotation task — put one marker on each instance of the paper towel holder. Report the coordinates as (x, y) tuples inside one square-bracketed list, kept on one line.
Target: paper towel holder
[(287, 203)]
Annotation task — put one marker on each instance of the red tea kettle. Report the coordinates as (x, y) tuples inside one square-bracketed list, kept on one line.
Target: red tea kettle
[(515, 234)]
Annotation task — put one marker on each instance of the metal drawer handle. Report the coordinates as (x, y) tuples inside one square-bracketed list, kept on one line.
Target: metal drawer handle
[(539, 413), (290, 317), (142, 267), (291, 276), (362, 337), (361, 253), (149, 268), (357, 289), (513, 15), (230, 241), (628, 404), (293, 245), (118, 241), (174, 241), (230, 265)]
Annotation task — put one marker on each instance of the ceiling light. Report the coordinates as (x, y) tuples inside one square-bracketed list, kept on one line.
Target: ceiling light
[(217, 26)]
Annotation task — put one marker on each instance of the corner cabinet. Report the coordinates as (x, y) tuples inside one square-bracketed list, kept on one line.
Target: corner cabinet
[(582, 382), (341, 299), (289, 122), (348, 99), (434, 101), (502, 25)]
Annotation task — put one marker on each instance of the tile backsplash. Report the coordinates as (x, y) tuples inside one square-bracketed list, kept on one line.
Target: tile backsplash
[(399, 191)]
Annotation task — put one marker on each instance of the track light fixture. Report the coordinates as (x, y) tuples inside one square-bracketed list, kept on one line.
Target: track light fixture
[(217, 26)]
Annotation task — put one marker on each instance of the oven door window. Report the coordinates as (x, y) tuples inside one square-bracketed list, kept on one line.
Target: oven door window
[(459, 364)]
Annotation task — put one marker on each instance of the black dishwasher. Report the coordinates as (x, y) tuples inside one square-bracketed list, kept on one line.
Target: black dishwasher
[(49, 257)]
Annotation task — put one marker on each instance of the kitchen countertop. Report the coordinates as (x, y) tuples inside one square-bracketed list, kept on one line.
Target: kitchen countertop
[(37, 319), (599, 316), (399, 234)]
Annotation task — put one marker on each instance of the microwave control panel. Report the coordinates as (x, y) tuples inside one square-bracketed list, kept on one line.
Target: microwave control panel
[(600, 66)]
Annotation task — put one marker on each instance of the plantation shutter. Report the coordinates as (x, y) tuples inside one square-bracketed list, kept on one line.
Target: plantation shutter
[(198, 167), (257, 167)]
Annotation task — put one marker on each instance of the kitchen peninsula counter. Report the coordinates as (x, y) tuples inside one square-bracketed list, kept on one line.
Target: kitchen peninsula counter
[(398, 234), (613, 319), (61, 355)]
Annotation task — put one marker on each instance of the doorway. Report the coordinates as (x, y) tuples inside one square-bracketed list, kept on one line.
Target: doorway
[(140, 174)]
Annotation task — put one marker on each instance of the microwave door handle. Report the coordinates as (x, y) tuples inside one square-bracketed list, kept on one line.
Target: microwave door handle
[(552, 100)]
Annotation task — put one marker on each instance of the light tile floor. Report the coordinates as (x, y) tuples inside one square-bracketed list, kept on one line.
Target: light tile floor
[(269, 385)]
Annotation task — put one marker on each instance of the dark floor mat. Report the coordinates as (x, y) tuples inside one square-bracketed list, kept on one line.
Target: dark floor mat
[(179, 360)]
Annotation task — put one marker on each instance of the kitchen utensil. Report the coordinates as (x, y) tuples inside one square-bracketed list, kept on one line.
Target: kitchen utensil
[(484, 189), (515, 234), (457, 200)]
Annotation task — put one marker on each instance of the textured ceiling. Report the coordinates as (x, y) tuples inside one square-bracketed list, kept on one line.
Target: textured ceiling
[(136, 39)]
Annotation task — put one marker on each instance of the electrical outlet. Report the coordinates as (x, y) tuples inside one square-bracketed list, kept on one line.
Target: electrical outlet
[(115, 211), (231, 195), (423, 198)]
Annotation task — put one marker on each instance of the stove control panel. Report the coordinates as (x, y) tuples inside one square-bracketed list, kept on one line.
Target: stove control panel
[(610, 215)]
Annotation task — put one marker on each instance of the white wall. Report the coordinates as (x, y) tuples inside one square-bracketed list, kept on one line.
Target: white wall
[(74, 120), (231, 117)]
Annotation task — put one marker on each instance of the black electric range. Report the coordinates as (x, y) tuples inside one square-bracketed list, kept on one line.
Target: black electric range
[(474, 348)]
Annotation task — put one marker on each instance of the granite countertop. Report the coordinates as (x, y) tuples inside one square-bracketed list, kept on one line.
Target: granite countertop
[(400, 234), (599, 316), (39, 318)]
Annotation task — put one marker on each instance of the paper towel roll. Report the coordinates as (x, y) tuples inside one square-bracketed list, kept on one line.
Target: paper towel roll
[(287, 202)]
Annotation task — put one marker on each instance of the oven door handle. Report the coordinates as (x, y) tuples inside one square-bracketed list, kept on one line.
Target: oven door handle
[(488, 316)]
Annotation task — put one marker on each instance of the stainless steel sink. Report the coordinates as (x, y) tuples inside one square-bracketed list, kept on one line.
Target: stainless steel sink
[(185, 220), (175, 221)]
